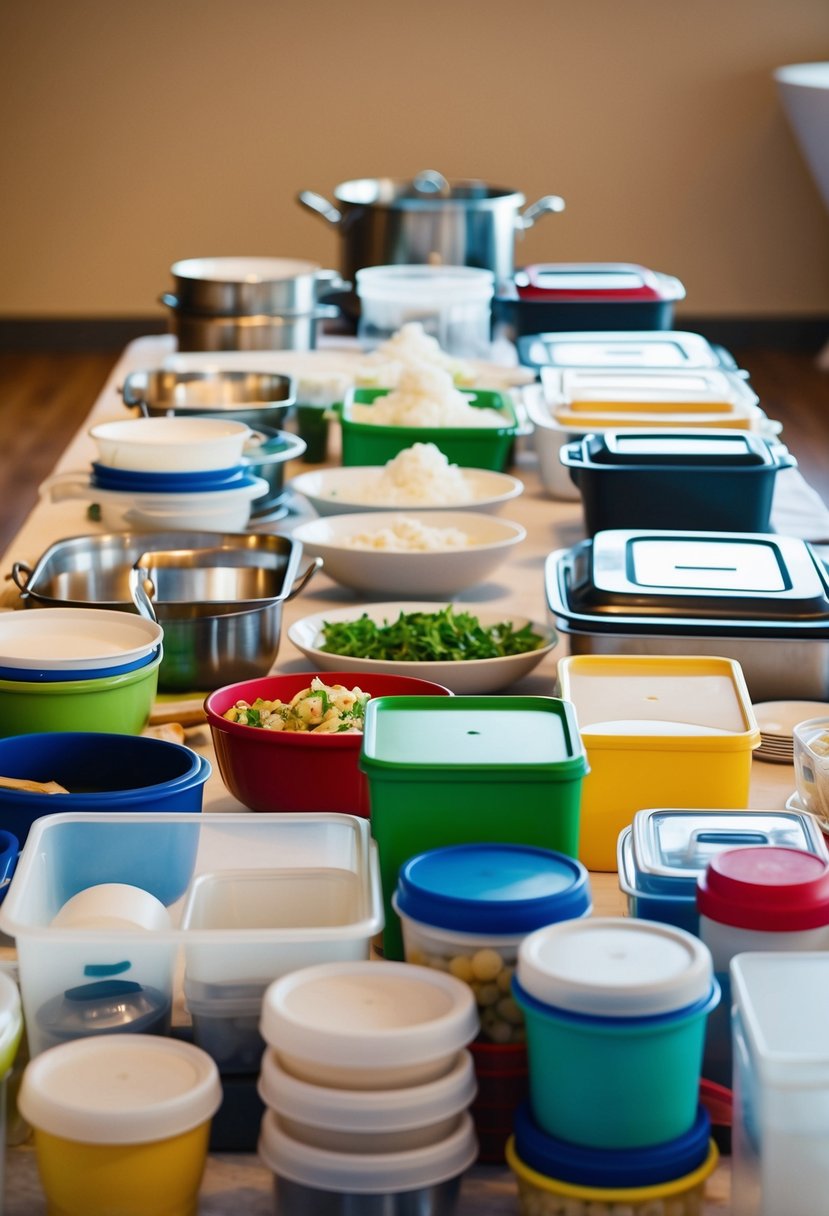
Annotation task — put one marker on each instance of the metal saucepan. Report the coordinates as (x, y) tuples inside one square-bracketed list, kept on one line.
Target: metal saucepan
[(248, 286), (251, 397), (427, 219), (273, 331)]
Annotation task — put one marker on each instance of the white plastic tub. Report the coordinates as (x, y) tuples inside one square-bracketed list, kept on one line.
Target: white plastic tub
[(179, 445)]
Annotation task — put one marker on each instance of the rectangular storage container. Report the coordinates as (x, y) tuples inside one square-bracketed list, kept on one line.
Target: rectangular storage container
[(618, 349), (574, 403), (586, 295), (781, 1084), (662, 855), (250, 897), (454, 770), (715, 481), (658, 732), (485, 447), (758, 598)]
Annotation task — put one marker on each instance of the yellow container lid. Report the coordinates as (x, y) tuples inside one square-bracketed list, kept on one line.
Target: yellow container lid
[(572, 419)]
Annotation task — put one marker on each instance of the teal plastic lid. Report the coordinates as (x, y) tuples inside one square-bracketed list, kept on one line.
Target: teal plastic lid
[(492, 888), (523, 737)]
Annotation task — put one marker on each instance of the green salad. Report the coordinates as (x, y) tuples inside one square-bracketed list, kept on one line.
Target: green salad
[(427, 637)]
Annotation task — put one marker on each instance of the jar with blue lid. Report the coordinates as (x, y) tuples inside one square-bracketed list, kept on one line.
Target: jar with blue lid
[(466, 909)]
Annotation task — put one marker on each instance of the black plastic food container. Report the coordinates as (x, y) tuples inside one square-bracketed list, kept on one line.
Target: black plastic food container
[(716, 481)]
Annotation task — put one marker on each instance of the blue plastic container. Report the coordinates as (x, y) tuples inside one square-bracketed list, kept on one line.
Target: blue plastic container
[(102, 772), (9, 851), (615, 1011), (58, 676)]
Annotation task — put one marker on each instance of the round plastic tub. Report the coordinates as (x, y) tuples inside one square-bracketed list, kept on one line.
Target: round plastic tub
[(311, 1181), (368, 1121), (466, 908), (183, 445), (368, 1025), (121, 1124), (452, 303), (110, 704), (102, 772), (298, 771), (615, 1011)]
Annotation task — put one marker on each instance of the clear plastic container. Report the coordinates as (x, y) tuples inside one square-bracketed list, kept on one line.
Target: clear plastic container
[(811, 766), (452, 303)]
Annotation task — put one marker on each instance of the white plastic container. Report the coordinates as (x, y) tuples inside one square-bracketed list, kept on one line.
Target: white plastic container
[(312, 1181), (167, 855), (781, 1084), (179, 445), (768, 899), (368, 1025), (368, 1121), (452, 303)]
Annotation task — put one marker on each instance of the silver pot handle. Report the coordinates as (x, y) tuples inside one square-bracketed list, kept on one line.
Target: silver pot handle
[(321, 205), (331, 280), (140, 596), (19, 569), (550, 202), (304, 579)]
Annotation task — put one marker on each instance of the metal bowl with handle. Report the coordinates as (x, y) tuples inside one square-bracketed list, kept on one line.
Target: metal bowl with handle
[(253, 397)]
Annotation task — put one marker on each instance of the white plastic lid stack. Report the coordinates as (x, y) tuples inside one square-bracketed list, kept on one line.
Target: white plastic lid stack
[(364, 1173), (370, 1015), (386, 1110), (615, 967), (120, 1089)]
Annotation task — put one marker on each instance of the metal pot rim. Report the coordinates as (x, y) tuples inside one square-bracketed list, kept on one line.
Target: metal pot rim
[(382, 192)]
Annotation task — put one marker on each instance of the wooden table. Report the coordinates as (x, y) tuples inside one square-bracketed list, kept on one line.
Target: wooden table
[(236, 1184)]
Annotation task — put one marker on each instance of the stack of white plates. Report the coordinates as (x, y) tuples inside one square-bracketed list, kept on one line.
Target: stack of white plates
[(777, 720)]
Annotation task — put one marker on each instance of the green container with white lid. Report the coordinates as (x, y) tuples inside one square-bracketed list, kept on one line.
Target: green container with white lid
[(455, 770)]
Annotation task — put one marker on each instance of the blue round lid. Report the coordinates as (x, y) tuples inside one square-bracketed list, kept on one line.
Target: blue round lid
[(611, 1169), (502, 889), (170, 481)]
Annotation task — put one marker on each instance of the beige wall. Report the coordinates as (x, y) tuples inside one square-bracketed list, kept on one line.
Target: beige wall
[(136, 132)]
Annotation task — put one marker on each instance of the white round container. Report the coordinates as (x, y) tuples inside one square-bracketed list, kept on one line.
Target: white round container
[(368, 1121), (112, 905), (68, 639), (452, 303), (376, 1174), (217, 511), (173, 445), (368, 1025)]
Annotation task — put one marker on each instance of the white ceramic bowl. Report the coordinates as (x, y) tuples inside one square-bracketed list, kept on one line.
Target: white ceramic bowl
[(63, 639), (337, 491), (439, 572), (181, 445), (465, 677)]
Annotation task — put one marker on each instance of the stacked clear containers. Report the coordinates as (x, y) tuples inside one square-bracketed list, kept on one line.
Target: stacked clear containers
[(465, 910), (615, 1012), (366, 1083)]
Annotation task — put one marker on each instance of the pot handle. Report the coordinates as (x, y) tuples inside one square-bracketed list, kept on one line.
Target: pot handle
[(74, 484), (321, 205), (550, 202), (138, 578), (19, 570), (331, 280), (304, 579)]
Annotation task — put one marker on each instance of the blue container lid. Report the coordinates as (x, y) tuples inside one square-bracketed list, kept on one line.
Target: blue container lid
[(612, 1169), (190, 482), (500, 889), (46, 675)]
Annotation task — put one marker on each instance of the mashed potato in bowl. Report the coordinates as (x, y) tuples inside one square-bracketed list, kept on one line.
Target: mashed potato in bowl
[(426, 397)]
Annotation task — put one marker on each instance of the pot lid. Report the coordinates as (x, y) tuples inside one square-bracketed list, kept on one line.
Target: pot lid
[(672, 847), (632, 348), (633, 449), (589, 281), (714, 581)]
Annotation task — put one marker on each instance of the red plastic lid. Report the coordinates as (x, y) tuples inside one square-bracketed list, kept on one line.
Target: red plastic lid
[(768, 889)]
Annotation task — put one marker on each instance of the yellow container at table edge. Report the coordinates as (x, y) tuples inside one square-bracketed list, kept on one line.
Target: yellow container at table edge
[(630, 772), (530, 1183)]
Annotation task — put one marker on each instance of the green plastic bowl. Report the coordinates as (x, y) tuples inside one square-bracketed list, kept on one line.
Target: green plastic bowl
[(471, 447), (118, 705)]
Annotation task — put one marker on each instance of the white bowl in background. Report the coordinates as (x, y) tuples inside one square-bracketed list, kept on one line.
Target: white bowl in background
[(440, 572), (338, 491)]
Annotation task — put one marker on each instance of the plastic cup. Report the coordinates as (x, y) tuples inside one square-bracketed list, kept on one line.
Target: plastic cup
[(312, 425), (121, 1124)]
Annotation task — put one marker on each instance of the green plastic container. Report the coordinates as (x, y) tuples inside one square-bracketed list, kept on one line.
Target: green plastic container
[(118, 705), (452, 770), (471, 447)]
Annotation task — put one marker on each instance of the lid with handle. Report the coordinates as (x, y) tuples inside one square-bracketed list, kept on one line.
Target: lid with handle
[(771, 890), (674, 845), (491, 888)]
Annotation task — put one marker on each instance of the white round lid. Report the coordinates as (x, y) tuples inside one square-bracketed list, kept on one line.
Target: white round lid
[(368, 1014), (614, 967), (120, 1089), (366, 1173), (367, 1110)]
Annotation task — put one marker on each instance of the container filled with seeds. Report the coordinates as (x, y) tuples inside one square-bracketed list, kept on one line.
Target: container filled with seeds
[(466, 908)]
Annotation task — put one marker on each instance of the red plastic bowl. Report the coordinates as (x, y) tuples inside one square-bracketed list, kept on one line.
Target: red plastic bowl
[(291, 771)]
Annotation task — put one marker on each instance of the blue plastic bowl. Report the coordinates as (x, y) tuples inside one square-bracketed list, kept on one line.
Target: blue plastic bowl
[(106, 478), (41, 675), (103, 772)]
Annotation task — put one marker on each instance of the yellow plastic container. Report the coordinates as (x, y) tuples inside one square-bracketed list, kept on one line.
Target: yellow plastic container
[(121, 1124), (658, 731), (539, 1195)]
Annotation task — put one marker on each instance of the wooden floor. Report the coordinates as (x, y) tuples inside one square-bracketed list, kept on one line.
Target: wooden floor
[(44, 398)]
